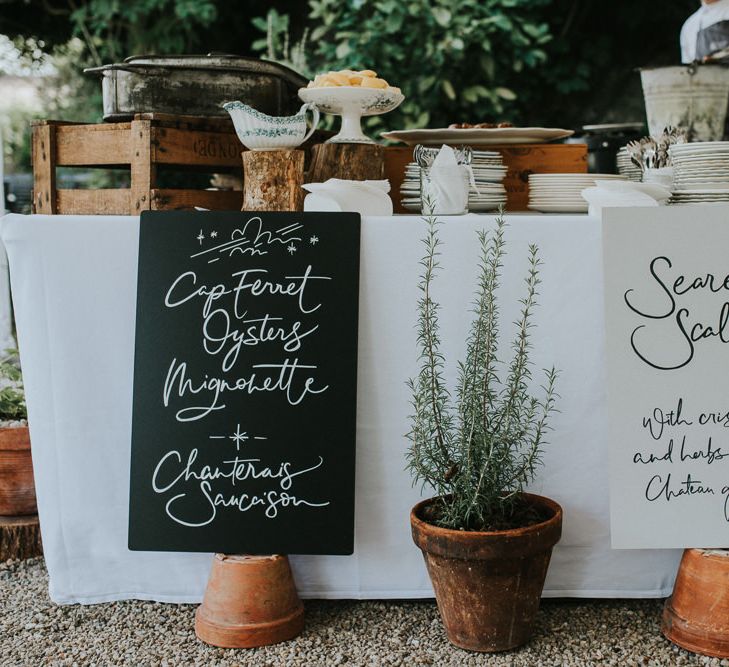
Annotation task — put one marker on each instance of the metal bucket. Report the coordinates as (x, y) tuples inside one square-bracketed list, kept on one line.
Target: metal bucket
[(693, 97)]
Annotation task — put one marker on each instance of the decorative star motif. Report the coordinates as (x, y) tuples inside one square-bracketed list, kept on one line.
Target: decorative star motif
[(213, 234), (291, 248), (239, 437), (314, 240)]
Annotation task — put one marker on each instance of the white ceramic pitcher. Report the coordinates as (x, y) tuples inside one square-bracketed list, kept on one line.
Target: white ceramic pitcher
[(260, 132)]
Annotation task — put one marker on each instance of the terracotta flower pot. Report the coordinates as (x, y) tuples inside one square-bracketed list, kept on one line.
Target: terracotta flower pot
[(696, 616), (17, 488), (249, 601), (488, 584)]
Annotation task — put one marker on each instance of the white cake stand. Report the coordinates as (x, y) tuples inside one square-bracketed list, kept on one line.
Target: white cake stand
[(351, 103)]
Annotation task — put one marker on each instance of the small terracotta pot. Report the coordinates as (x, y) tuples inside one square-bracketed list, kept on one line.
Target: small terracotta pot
[(17, 488), (249, 601), (696, 616), (488, 584)]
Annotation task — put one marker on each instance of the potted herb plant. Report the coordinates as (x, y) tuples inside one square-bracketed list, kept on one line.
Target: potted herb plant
[(486, 542), (17, 489)]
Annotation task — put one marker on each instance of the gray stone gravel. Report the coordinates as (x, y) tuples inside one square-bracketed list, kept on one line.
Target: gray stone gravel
[(34, 631)]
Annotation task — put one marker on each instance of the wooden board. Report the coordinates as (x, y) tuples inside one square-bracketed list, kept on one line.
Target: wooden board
[(520, 160), (214, 149), (44, 170), (20, 537), (143, 169), (110, 201), (215, 200), (209, 123), (93, 145), (111, 144), (118, 201)]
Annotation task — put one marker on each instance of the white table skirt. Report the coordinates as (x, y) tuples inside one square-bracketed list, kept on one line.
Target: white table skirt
[(74, 289)]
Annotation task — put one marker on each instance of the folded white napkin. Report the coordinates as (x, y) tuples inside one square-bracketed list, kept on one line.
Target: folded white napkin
[(336, 194), (659, 192), (445, 184), (600, 198)]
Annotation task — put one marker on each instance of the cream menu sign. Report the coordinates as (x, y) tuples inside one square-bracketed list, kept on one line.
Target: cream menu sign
[(667, 327)]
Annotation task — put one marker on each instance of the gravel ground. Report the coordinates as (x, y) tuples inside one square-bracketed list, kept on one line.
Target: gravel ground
[(34, 631)]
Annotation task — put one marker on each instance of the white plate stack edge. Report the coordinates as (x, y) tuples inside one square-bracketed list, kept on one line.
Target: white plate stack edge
[(700, 172), (562, 193), (626, 167)]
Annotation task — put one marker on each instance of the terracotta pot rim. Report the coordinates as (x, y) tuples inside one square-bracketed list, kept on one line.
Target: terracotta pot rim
[(489, 545), (245, 558), (543, 501), (249, 635), (262, 626), (696, 637)]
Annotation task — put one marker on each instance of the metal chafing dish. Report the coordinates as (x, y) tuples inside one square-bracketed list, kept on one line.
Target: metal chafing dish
[(196, 85)]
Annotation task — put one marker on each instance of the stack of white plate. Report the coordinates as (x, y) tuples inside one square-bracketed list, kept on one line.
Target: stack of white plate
[(627, 168), (700, 172), (488, 173), (561, 193)]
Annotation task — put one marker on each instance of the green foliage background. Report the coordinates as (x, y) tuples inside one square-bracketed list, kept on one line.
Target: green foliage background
[(454, 60), (542, 62)]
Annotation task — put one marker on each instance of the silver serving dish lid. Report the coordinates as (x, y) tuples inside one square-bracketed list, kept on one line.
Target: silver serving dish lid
[(213, 61)]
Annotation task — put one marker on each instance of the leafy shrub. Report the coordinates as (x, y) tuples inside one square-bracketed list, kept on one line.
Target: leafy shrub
[(455, 61), (113, 30), (277, 45)]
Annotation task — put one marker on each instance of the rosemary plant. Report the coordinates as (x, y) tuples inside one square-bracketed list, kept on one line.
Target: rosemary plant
[(479, 451)]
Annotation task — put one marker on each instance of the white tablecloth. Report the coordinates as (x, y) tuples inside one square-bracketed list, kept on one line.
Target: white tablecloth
[(74, 289)]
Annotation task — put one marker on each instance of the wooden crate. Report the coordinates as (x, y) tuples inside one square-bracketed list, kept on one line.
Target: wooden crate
[(141, 145), (520, 160)]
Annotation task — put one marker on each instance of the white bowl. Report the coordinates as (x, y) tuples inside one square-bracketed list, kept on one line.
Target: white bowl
[(351, 103)]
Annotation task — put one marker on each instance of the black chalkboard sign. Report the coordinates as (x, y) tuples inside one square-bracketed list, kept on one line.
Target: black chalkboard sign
[(245, 383)]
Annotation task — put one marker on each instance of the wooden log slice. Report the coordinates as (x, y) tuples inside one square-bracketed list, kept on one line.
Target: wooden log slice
[(20, 537), (272, 180), (355, 162)]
